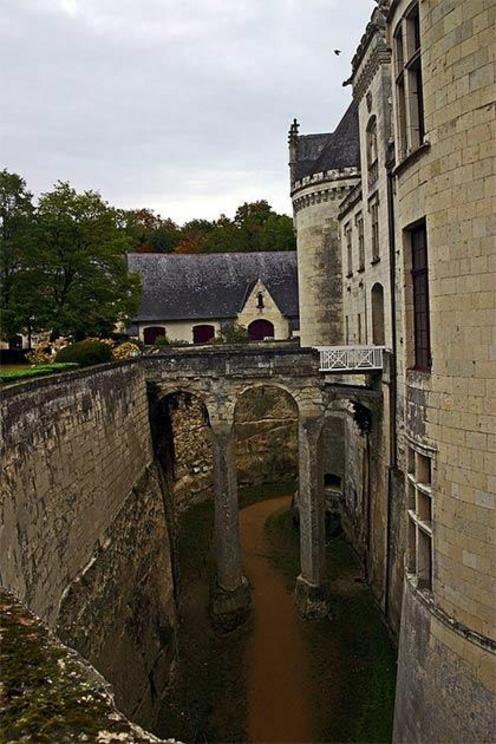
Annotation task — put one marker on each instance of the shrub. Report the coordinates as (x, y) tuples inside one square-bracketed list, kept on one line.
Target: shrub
[(232, 333), (179, 342), (126, 350), (85, 353), (161, 341), (42, 369), (46, 350)]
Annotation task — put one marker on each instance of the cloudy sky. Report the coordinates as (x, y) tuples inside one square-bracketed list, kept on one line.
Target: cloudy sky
[(179, 105)]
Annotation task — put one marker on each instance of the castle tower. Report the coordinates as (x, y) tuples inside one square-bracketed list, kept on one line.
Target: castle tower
[(323, 168)]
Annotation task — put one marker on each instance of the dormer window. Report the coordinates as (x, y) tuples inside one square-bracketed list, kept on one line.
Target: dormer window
[(260, 301)]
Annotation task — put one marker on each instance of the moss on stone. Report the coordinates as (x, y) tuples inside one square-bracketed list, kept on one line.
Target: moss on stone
[(47, 693)]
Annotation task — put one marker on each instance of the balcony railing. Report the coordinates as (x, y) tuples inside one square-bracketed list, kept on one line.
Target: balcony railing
[(351, 358)]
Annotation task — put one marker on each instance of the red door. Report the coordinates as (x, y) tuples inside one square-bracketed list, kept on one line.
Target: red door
[(202, 334), (260, 329), (151, 334)]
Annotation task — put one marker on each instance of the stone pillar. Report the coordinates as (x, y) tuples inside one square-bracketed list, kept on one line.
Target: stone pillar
[(231, 595), (311, 591)]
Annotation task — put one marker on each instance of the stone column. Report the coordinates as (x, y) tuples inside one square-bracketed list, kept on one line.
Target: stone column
[(231, 595), (311, 591)]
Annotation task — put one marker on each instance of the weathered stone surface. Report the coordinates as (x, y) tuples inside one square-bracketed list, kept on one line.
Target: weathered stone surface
[(49, 693), (443, 690), (312, 602), (119, 611), (266, 431), (84, 539)]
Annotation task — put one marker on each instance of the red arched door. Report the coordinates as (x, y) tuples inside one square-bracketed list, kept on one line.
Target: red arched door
[(202, 334), (260, 329), (151, 334)]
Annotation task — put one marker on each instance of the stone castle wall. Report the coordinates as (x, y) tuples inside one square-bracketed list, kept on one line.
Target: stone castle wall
[(449, 410), (444, 691), (84, 540), (319, 259)]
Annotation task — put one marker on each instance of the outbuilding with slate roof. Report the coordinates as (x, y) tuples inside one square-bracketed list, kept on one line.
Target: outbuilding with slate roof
[(191, 297)]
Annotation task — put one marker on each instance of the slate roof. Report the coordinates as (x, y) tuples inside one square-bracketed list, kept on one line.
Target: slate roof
[(214, 285), (340, 149)]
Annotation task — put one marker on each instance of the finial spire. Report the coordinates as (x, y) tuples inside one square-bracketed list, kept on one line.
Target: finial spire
[(293, 131)]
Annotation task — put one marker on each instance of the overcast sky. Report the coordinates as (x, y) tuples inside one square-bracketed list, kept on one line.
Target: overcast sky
[(178, 105)]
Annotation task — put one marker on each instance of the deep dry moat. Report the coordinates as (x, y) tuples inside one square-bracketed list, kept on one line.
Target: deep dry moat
[(278, 679)]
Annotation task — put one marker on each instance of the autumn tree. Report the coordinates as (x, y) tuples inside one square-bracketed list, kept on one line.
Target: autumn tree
[(149, 233)]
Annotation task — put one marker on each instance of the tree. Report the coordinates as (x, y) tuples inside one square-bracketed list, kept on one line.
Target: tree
[(149, 233), (250, 219), (78, 260), (223, 238), (277, 234), (16, 230)]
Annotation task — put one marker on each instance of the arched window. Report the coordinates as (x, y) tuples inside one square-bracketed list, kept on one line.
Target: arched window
[(260, 301), (151, 333), (378, 335), (260, 329), (202, 334)]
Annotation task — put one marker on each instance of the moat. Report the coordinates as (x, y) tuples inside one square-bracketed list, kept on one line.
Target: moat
[(278, 678)]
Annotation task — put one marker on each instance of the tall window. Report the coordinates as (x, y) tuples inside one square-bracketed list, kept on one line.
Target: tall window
[(349, 250), (420, 287), (419, 504), (377, 302), (372, 159), (361, 242), (374, 223), (347, 331), (359, 328), (409, 91)]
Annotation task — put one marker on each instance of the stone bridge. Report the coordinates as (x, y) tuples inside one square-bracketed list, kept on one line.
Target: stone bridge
[(218, 376)]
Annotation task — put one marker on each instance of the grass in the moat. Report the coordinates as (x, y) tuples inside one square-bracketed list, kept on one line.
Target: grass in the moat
[(351, 655), (210, 664)]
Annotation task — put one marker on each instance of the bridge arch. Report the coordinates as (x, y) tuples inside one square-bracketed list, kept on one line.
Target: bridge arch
[(266, 417)]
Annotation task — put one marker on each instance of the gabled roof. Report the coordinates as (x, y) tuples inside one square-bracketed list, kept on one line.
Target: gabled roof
[(322, 152), (214, 285)]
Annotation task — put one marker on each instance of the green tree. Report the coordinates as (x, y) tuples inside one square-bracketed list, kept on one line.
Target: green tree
[(250, 219), (78, 260), (277, 234), (16, 234), (224, 237)]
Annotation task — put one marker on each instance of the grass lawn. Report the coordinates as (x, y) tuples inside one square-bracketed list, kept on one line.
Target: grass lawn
[(12, 374), (13, 367)]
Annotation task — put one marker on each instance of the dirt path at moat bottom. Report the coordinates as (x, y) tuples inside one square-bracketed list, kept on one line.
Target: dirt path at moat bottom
[(278, 678)]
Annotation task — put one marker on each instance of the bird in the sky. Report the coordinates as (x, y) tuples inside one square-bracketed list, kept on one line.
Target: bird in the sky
[(337, 52)]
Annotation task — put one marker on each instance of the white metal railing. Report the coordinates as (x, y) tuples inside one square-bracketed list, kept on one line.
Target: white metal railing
[(351, 358)]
